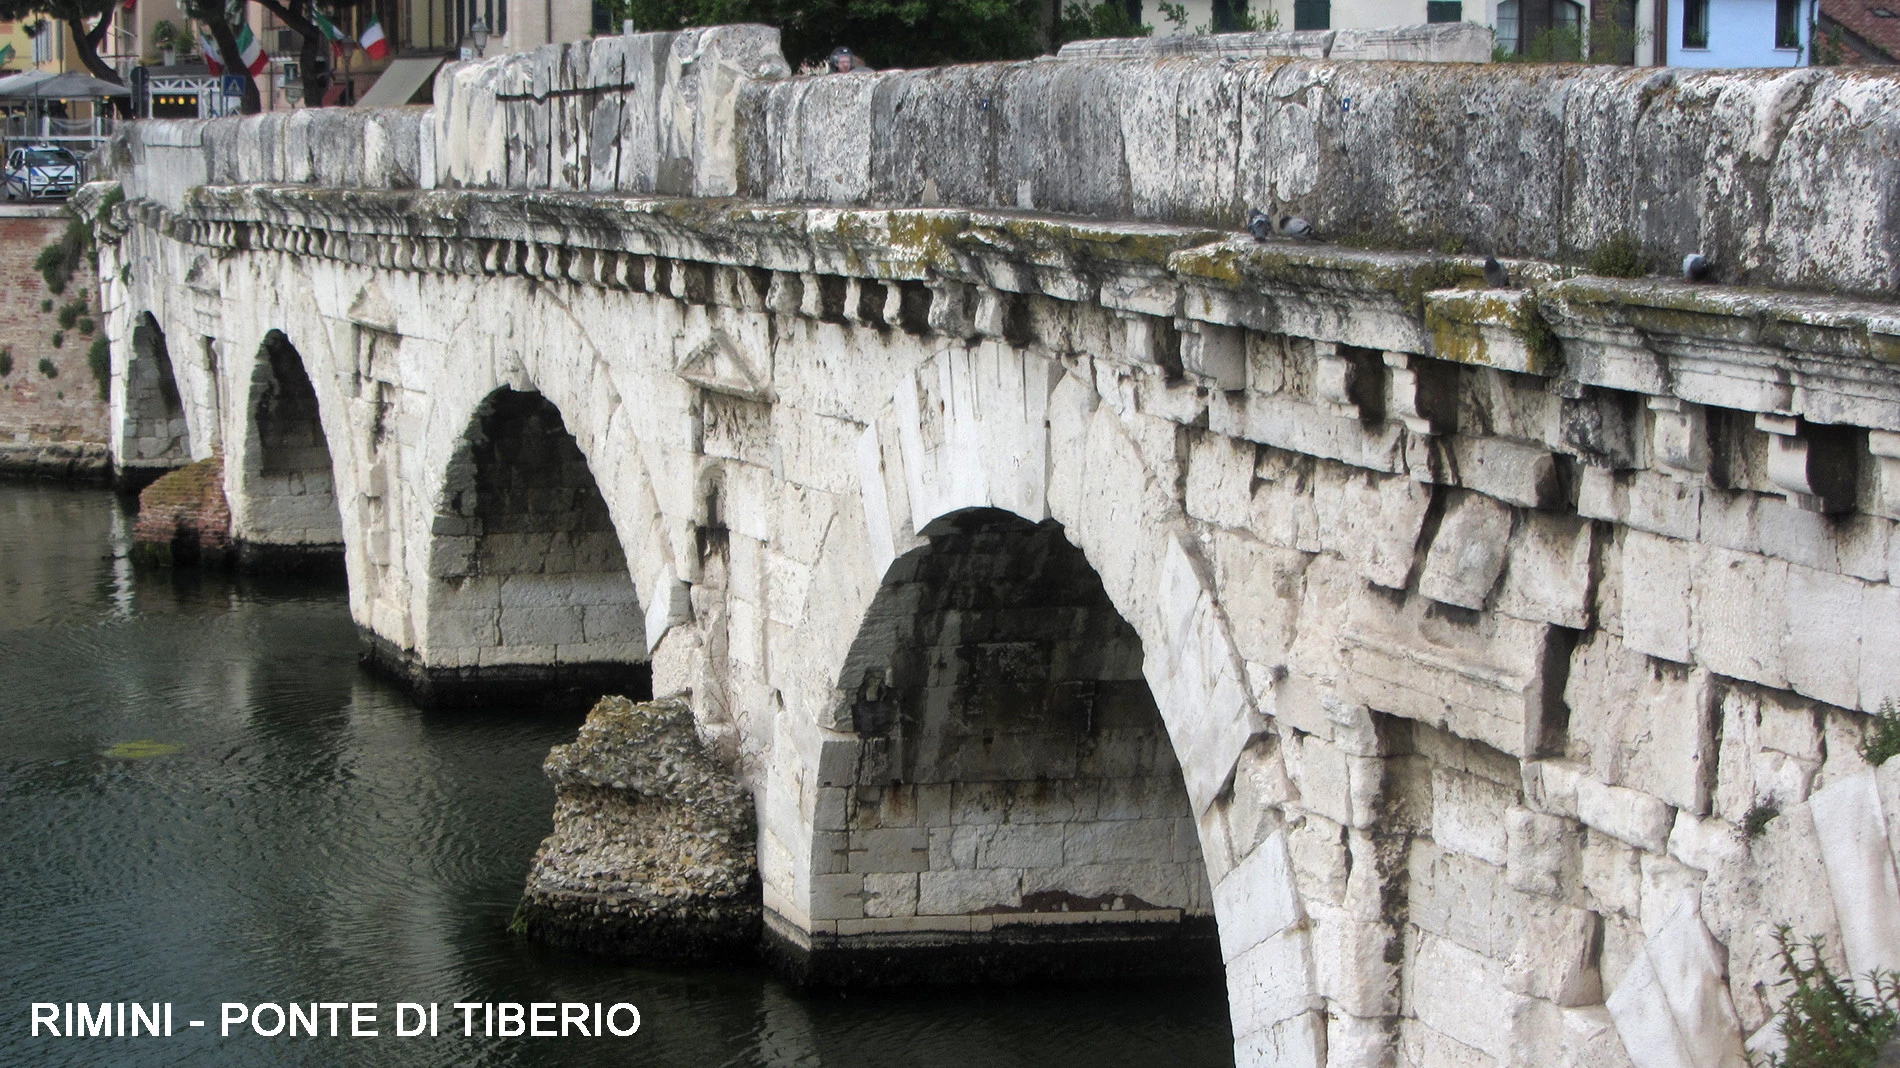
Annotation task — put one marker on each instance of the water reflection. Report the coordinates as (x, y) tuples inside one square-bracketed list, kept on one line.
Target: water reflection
[(276, 825)]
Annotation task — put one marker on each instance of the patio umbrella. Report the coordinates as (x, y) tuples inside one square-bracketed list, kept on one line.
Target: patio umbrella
[(73, 86), (14, 82)]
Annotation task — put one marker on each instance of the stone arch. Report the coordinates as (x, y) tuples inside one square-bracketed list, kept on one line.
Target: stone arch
[(153, 436), (285, 508), (990, 426), (1014, 805), (530, 598)]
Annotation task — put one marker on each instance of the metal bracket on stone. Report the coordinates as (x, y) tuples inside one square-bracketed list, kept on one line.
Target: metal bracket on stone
[(1810, 464), (1215, 354)]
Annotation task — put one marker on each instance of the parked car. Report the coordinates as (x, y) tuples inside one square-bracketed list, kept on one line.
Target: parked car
[(41, 171)]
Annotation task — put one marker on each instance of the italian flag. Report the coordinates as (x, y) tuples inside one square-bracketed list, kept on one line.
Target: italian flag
[(252, 56), (374, 42)]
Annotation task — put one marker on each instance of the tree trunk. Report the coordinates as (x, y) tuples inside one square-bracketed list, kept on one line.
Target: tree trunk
[(313, 51), (86, 42), (226, 39)]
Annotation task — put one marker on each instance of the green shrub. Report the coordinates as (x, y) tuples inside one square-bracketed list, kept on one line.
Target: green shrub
[(1826, 1022), (86, 325), (1110, 18), (6, 362), (70, 312), (46, 305), (58, 261), (1620, 257), (99, 362), (59, 339), (47, 368), (1882, 741)]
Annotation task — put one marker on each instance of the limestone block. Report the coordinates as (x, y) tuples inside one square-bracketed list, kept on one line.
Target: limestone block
[(1658, 504), (1079, 843), (1271, 982), (1296, 1043), (1554, 955), (890, 895), (1777, 877), (1657, 573), (1880, 646), (1626, 815), (1321, 862), (1852, 828), (1355, 965), (1771, 750), (1732, 520), (1672, 1008), (1469, 814), (1353, 1042), (895, 849), (1468, 552), (1260, 589), (1543, 852), (1648, 725), (1220, 474), (1423, 1047), (1371, 520), (1739, 615), (1665, 883), (1703, 843), (1547, 576), (956, 893), (1481, 679), (1590, 1040), (837, 897), (1825, 622), (522, 626), (1444, 980), (1257, 899), (1202, 694), (1509, 471), (1459, 897)]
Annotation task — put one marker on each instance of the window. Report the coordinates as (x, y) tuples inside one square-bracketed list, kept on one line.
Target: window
[(1695, 23), (1444, 10), (1507, 27), (1312, 14), (1787, 23)]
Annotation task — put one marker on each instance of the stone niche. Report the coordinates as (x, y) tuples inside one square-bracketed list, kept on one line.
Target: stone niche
[(652, 857)]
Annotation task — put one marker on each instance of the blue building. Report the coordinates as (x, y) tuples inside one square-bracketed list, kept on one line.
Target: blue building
[(1738, 33)]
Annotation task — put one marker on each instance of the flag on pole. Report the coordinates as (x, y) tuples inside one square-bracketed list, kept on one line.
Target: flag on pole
[(6, 54), (252, 56), (338, 39), (211, 54), (374, 42)]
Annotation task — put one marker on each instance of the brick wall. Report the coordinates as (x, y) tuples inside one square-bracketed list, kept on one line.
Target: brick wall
[(68, 407), (35, 409)]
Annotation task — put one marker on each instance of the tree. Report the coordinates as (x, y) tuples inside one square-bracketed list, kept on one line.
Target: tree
[(76, 14), (313, 60), (887, 33), (211, 13)]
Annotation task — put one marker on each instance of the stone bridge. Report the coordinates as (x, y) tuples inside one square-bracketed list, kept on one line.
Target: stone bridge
[(1481, 671)]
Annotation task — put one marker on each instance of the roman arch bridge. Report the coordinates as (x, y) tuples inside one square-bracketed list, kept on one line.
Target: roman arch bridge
[(1480, 669)]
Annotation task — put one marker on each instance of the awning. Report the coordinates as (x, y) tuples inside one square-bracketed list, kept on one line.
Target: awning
[(15, 82), (401, 82), (72, 86)]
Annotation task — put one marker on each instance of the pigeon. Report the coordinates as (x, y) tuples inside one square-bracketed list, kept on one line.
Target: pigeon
[(1697, 268), (1495, 275), (1259, 224), (1296, 228)]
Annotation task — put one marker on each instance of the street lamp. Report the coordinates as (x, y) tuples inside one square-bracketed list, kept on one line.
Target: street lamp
[(479, 32)]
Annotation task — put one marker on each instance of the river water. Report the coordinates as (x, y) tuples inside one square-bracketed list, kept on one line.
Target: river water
[(204, 799)]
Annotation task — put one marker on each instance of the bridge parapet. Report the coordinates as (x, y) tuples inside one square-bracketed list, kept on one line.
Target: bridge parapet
[(1778, 176)]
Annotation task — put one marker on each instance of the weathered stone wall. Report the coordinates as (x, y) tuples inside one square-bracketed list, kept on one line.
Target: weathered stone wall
[(1486, 627), (1778, 175), (51, 426)]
